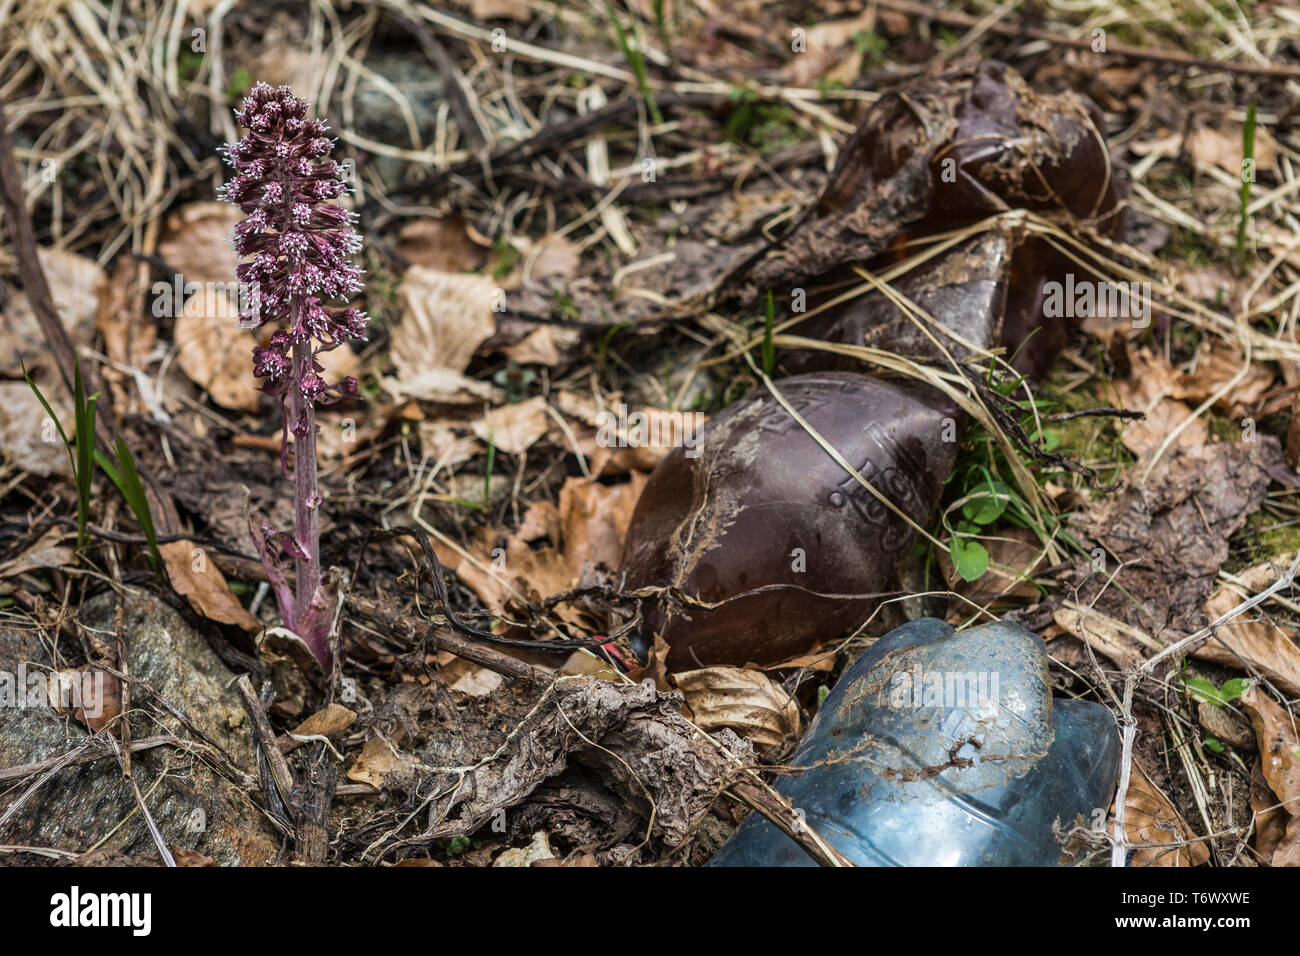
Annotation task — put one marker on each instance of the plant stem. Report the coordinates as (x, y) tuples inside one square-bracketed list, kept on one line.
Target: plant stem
[(306, 491)]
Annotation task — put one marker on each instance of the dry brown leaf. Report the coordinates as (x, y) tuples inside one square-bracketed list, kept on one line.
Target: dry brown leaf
[(1271, 819), (514, 428), (581, 860), (448, 444), (536, 348), (466, 676), (818, 659), (196, 578), (1258, 642), (828, 54), (1224, 148), (1287, 851), (197, 241), (1127, 646), (442, 244), (594, 520), (747, 701), (129, 336), (626, 445), (75, 286), (1147, 390), (1149, 817), (376, 761), (586, 664), (1279, 746), (47, 551), (94, 696), (1216, 365), (215, 352), (326, 723), (1208, 284), (28, 437), (516, 10), (538, 849), (445, 317), (553, 256)]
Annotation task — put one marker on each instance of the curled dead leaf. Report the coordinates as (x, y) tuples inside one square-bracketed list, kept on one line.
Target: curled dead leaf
[(75, 286), (747, 701), (440, 244), (1149, 818), (376, 762), (1124, 644), (215, 352), (514, 428), (1217, 364), (196, 241), (48, 551), (1148, 390), (1251, 640), (1279, 746), (92, 695), (28, 438), (332, 720), (445, 317), (200, 581)]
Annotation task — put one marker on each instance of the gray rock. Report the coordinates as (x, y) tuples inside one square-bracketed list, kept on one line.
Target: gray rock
[(379, 115), (90, 805)]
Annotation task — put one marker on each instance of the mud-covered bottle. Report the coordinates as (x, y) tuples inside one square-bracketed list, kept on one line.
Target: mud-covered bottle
[(757, 544), (943, 748)]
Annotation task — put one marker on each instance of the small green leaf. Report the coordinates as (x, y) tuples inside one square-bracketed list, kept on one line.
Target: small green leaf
[(969, 557), (1202, 689), (987, 502), (1234, 688), (1212, 743)]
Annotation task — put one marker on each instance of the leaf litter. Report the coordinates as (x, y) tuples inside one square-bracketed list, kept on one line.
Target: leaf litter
[(482, 426)]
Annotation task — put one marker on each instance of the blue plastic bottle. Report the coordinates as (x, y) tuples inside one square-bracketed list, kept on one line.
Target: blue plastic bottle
[(943, 748)]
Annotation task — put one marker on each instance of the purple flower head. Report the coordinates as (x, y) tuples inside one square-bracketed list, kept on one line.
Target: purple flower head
[(297, 245), (298, 241)]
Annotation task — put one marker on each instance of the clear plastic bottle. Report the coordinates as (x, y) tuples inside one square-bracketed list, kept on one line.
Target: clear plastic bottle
[(943, 748)]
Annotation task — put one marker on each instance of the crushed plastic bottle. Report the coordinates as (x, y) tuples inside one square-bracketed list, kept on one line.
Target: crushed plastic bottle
[(943, 153), (943, 748), (761, 544)]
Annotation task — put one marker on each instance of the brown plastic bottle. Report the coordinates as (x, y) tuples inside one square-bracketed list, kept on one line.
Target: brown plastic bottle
[(758, 522), (942, 153)]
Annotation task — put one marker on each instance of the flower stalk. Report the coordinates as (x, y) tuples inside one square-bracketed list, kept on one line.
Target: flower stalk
[(297, 245)]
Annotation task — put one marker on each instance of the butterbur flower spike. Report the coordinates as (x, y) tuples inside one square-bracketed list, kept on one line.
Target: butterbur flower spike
[(298, 245)]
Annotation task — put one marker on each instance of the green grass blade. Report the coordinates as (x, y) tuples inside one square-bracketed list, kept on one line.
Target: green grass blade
[(49, 411), (636, 60), (132, 489), (84, 417)]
